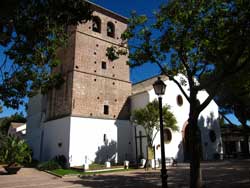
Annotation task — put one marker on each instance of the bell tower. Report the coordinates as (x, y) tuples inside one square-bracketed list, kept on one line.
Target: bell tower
[(92, 103), (94, 87)]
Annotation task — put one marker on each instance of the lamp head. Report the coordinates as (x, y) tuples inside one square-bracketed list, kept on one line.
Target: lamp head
[(159, 87)]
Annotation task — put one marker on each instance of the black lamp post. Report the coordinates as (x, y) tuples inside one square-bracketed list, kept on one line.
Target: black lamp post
[(159, 87)]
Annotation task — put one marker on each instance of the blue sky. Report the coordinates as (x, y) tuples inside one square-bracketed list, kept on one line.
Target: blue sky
[(124, 8)]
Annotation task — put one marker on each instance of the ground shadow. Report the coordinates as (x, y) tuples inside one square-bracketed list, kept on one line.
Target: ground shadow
[(4, 173), (131, 180), (218, 174)]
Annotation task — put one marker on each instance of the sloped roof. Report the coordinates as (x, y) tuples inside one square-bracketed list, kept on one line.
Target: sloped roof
[(146, 85)]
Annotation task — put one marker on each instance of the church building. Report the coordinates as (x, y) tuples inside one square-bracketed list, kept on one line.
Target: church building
[(88, 118)]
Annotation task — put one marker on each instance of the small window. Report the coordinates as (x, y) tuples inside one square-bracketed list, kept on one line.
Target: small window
[(104, 138), (111, 29), (106, 109), (104, 65), (96, 24), (59, 144)]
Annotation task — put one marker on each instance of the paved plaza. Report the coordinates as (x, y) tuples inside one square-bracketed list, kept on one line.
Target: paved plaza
[(226, 174)]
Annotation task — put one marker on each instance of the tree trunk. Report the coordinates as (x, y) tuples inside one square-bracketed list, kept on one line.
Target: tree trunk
[(195, 170)]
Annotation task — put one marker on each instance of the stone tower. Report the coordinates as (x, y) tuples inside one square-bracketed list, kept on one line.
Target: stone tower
[(94, 86)]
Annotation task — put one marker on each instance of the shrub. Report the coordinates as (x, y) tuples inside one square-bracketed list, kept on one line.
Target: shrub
[(48, 165), (14, 151), (61, 160)]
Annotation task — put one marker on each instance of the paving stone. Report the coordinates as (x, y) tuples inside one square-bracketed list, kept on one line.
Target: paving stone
[(228, 174)]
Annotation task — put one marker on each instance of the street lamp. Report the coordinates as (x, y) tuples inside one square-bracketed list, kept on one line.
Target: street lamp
[(159, 87)]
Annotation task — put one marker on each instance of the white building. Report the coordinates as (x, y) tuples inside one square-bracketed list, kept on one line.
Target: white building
[(17, 130), (143, 93), (87, 119)]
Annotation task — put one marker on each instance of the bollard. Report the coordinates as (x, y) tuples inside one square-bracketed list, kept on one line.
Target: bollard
[(107, 164), (126, 164)]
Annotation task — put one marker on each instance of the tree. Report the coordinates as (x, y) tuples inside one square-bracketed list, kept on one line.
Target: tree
[(207, 41), (30, 33), (234, 97), (148, 118)]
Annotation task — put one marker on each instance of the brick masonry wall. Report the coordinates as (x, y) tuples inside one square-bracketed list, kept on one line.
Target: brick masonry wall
[(88, 87), (91, 93), (59, 101), (93, 86)]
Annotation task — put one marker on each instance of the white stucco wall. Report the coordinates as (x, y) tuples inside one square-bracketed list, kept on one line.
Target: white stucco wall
[(174, 148), (81, 140), (55, 139), (87, 140), (33, 132), (209, 115), (126, 140), (208, 120)]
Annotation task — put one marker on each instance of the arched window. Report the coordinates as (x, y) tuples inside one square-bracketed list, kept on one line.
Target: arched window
[(111, 29), (96, 24)]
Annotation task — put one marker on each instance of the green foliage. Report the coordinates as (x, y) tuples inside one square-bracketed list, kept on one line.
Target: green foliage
[(58, 162), (63, 172), (234, 96), (96, 166), (49, 165), (148, 117), (61, 160), (31, 31), (221, 122), (5, 123), (14, 151), (207, 41)]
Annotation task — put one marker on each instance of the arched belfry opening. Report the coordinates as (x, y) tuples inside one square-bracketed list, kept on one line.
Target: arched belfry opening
[(96, 24), (111, 29)]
